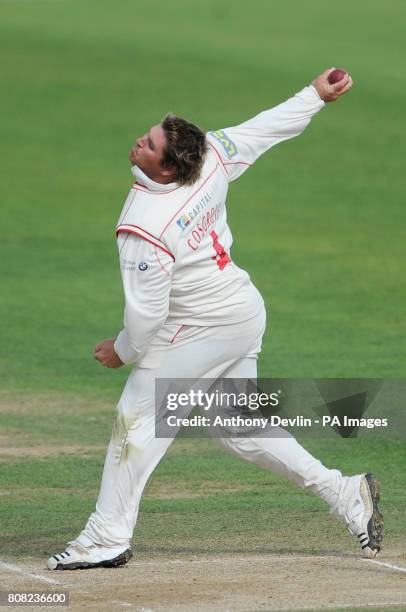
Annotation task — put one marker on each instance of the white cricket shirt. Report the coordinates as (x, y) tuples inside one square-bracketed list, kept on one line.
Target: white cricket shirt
[(174, 241)]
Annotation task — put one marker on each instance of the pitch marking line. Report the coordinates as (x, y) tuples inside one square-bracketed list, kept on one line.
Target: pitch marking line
[(376, 607), (20, 570), (15, 568), (395, 568)]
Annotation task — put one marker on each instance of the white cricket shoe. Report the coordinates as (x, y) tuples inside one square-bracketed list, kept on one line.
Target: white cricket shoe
[(359, 509), (77, 556)]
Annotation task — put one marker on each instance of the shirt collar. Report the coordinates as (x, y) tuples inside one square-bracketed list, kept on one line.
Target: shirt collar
[(143, 179)]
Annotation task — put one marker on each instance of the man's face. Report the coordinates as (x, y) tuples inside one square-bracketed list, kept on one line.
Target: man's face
[(147, 153)]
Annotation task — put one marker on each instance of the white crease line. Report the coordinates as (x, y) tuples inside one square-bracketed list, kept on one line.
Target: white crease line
[(342, 606), (124, 604), (242, 559), (15, 568), (396, 568)]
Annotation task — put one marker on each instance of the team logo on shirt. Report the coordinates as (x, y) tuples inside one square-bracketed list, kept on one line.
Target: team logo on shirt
[(143, 266), (197, 209), (203, 227), (227, 144), (183, 221)]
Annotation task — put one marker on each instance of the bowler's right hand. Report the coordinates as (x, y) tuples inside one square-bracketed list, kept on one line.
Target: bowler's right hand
[(328, 92)]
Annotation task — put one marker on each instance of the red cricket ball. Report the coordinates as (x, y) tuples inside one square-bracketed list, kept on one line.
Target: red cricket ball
[(336, 75)]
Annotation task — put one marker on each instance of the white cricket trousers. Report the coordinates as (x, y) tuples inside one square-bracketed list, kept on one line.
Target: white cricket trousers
[(133, 452)]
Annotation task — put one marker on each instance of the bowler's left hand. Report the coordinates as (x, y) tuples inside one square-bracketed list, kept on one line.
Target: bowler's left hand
[(105, 353)]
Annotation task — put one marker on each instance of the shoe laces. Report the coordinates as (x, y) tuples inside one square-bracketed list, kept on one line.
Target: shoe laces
[(74, 544), (351, 514)]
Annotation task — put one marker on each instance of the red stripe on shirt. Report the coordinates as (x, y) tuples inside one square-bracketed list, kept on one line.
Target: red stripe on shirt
[(128, 231), (179, 330), (188, 200)]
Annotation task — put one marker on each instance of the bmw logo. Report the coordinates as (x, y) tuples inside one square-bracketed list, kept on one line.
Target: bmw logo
[(143, 266)]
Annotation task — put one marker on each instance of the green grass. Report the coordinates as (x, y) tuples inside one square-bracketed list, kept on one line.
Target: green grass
[(196, 499), (318, 223)]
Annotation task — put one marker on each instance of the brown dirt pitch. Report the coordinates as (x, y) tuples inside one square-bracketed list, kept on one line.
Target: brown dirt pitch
[(228, 583), (247, 563)]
